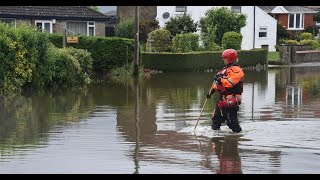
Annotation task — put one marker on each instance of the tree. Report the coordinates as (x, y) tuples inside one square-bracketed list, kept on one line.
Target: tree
[(125, 29), (281, 32), (145, 27), (224, 20), (181, 24), (95, 8)]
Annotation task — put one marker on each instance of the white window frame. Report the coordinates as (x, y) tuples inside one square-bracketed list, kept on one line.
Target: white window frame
[(94, 27), (294, 21), (44, 21), (180, 7), (262, 30), (15, 21), (88, 25)]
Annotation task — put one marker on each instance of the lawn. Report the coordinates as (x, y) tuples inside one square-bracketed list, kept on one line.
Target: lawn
[(273, 56)]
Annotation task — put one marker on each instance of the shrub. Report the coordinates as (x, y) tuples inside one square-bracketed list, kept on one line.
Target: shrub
[(290, 41), (181, 24), (125, 29), (185, 42), (161, 40), (306, 36), (232, 40)]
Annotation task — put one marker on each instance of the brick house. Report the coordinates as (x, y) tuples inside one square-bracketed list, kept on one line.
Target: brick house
[(293, 18), (54, 19)]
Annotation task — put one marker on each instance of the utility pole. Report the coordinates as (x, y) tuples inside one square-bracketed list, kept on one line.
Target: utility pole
[(136, 46)]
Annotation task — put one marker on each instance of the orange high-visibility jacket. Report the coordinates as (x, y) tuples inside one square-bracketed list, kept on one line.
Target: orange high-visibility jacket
[(231, 76)]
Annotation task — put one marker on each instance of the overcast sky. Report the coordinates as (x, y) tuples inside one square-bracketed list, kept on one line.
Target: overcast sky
[(105, 9)]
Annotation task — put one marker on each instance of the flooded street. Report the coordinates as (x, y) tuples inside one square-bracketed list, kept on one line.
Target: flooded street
[(147, 129)]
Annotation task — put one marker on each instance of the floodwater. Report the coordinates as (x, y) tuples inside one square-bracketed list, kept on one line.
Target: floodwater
[(147, 128)]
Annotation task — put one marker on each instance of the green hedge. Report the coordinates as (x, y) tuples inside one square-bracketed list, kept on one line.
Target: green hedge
[(107, 52), (199, 61)]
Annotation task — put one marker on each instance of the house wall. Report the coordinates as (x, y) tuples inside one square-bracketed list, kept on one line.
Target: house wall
[(262, 19), (59, 26), (283, 19), (308, 20), (250, 37), (196, 13)]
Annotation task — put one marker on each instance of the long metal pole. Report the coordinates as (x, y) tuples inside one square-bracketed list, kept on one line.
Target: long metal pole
[(205, 102), (136, 46)]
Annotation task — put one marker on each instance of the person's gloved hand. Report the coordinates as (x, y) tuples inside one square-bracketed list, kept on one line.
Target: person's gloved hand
[(219, 80)]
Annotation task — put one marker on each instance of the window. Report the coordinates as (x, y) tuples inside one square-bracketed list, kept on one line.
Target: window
[(81, 28), (263, 32), (236, 9), (181, 8), (10, 21), (296, 21), (44, 26)]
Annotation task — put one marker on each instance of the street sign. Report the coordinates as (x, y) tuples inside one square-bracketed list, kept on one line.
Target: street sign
[(72, 39)]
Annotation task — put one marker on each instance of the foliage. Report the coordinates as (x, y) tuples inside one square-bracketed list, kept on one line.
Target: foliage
[(306, 36), (125, 29), (161, 40), (281, 32), (199, 61), (312, 29), (181, 24), (95, 8), (224, 20), (185, 42), (107, 52), (232, 40), (208, 38), (145, 27)]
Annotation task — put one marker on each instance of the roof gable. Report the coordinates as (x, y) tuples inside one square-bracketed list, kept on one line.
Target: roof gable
[(279, 10)]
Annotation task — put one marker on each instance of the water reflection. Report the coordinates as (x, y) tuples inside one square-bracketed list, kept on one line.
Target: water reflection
[(143, 127)]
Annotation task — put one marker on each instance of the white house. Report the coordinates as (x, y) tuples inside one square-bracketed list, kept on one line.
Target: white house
[(260, 29)]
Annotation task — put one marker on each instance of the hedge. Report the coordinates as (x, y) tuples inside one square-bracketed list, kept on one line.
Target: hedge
[(199, 61), (107, 52)]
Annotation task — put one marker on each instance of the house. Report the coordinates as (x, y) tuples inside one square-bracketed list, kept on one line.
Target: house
[(260, 29), (54, 19), (293, 18)]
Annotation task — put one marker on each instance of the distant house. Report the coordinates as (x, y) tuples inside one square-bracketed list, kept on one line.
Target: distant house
[(260, 29), (54, 19), (293, 18)]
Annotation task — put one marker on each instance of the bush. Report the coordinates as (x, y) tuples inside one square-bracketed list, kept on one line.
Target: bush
[(306, 36), (310, 29), (125, 29), (20, 51), (107, 52), (290, 41), (181, 24), (282, 33), (145, 27), (224, 20), (161, 40), (231, 40), (185, 42)]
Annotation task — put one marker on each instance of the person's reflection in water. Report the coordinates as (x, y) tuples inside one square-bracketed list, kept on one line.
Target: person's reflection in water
[(226, 150)]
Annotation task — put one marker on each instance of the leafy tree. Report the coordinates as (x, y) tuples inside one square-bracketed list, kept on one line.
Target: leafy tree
[(125, 29), (145, 27), (95, 8), (224, 20), (281, 32), (181, 24)]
